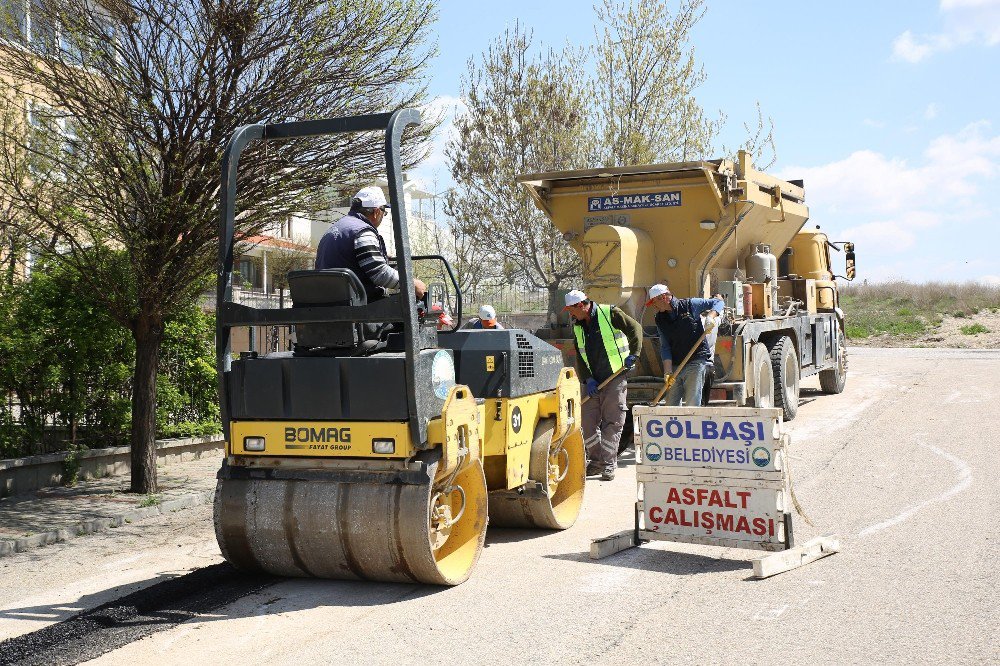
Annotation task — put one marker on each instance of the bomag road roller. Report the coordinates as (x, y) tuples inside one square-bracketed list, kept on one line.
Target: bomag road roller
[(379, 447)]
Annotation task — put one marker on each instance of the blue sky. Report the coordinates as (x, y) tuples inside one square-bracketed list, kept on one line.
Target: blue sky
[(888, 110)]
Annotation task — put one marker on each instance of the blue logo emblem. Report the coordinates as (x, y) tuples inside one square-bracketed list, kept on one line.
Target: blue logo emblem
[(653, 452), (761, 457)]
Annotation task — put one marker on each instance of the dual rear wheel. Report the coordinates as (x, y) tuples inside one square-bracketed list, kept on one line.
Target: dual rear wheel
[(775, 368)]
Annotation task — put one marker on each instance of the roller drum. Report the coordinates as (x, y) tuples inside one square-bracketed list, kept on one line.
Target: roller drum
[(554, 495), (352, 530)]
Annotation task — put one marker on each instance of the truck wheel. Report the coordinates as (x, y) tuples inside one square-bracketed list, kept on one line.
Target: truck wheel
[(763, 381), (785, 366), (834, 379)]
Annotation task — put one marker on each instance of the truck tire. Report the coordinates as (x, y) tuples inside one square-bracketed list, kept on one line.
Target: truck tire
[(834, 379), (761, 376), (785, 367)]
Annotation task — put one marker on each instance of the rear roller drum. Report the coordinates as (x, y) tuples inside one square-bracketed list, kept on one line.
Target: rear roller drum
[(373, 531), (554, 494)]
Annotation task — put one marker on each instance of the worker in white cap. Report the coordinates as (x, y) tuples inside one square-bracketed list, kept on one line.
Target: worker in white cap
[(607, 342), (353, 242), (680, 324), (487, 319)]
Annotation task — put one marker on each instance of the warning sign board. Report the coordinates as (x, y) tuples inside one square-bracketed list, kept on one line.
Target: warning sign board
[(716, 476), (712, 476), (747, 442), (734, 513)]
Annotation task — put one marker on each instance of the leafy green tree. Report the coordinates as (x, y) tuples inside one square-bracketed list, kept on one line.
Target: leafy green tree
[(134, 103), (186, 383), (65, 362), (68, 367)]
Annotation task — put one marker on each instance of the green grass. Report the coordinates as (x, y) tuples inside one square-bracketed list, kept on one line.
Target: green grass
[(973, 329), (149, 500), (906, 309)]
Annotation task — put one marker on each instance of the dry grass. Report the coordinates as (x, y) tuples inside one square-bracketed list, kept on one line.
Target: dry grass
[(905, 309)]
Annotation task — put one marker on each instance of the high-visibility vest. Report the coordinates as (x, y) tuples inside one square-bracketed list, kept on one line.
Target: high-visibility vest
[(615, 342)]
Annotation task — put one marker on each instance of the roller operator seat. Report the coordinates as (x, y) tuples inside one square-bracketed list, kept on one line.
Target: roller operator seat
[(330, 287)]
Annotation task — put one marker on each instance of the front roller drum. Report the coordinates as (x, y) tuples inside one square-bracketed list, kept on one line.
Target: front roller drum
[(554, 494), (392, 532)]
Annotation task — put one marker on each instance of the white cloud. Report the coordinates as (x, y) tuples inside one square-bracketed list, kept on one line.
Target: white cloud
[(990, 279), (964, 22), (953, 172), (931, 112), (908, 48), (869, 122), (909, 215), (886, 233)]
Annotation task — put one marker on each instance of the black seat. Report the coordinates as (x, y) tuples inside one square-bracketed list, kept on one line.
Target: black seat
[(329, 287)]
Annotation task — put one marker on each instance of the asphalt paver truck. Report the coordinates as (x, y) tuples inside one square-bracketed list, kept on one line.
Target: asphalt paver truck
[(705, 228), (379, 447)]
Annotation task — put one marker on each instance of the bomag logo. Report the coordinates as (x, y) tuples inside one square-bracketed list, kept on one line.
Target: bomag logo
[(310, 435)]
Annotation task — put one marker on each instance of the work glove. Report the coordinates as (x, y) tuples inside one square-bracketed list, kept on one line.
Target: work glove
[(630, 361), (591, 387), (709, 324), (668, 379)]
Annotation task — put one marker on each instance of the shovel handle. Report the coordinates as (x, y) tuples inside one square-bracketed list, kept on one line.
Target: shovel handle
[(667, 384), (606, 382)]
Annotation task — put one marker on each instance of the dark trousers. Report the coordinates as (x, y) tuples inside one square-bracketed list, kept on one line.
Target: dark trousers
[(706, 392)]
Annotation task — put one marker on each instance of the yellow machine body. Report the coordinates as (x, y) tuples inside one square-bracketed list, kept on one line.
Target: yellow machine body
[(702, 228), (535, 476), (693, 222)]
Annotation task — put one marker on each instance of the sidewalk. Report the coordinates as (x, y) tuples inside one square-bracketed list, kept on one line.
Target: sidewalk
[(51, 515)]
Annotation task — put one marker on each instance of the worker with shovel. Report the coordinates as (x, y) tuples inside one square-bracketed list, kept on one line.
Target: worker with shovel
[(683, 335), (607, 346)]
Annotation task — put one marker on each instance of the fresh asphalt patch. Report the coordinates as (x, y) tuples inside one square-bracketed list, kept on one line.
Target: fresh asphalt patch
[(137, 615)]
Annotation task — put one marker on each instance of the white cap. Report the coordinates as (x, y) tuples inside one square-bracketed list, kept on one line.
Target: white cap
[(487, 313), (656, 290), (371, 197), (574, 297)]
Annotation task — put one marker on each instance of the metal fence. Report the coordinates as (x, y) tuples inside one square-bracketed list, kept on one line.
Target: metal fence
[(516, 307)]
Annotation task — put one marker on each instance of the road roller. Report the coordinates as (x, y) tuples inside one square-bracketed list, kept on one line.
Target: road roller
[(379, 447)]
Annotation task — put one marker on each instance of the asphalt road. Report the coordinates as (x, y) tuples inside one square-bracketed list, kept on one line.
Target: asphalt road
[(901, 467)]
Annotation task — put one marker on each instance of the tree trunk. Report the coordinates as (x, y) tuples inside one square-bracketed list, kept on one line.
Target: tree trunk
[(556, 302), (148, 336)]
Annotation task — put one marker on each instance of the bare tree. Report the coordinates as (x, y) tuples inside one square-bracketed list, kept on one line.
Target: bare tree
[(759, 142), (645, 110), (143, 97), (524, 113)]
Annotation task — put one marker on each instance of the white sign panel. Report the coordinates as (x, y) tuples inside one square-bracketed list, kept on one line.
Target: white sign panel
[(746, 442), (730, 512), (711, 475)]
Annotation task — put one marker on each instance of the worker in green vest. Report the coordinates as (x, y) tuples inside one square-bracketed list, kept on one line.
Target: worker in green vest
[(607, 341)]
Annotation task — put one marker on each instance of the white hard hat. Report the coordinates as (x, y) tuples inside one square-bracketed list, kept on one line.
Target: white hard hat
[(371, 197), (657, 290), (574, 297), (487, 313)]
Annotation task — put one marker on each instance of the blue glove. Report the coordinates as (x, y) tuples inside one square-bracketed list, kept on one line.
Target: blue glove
[(591, 388), (630, 361)]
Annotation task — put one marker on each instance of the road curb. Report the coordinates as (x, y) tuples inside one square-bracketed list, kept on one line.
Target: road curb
[(12, 546)]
